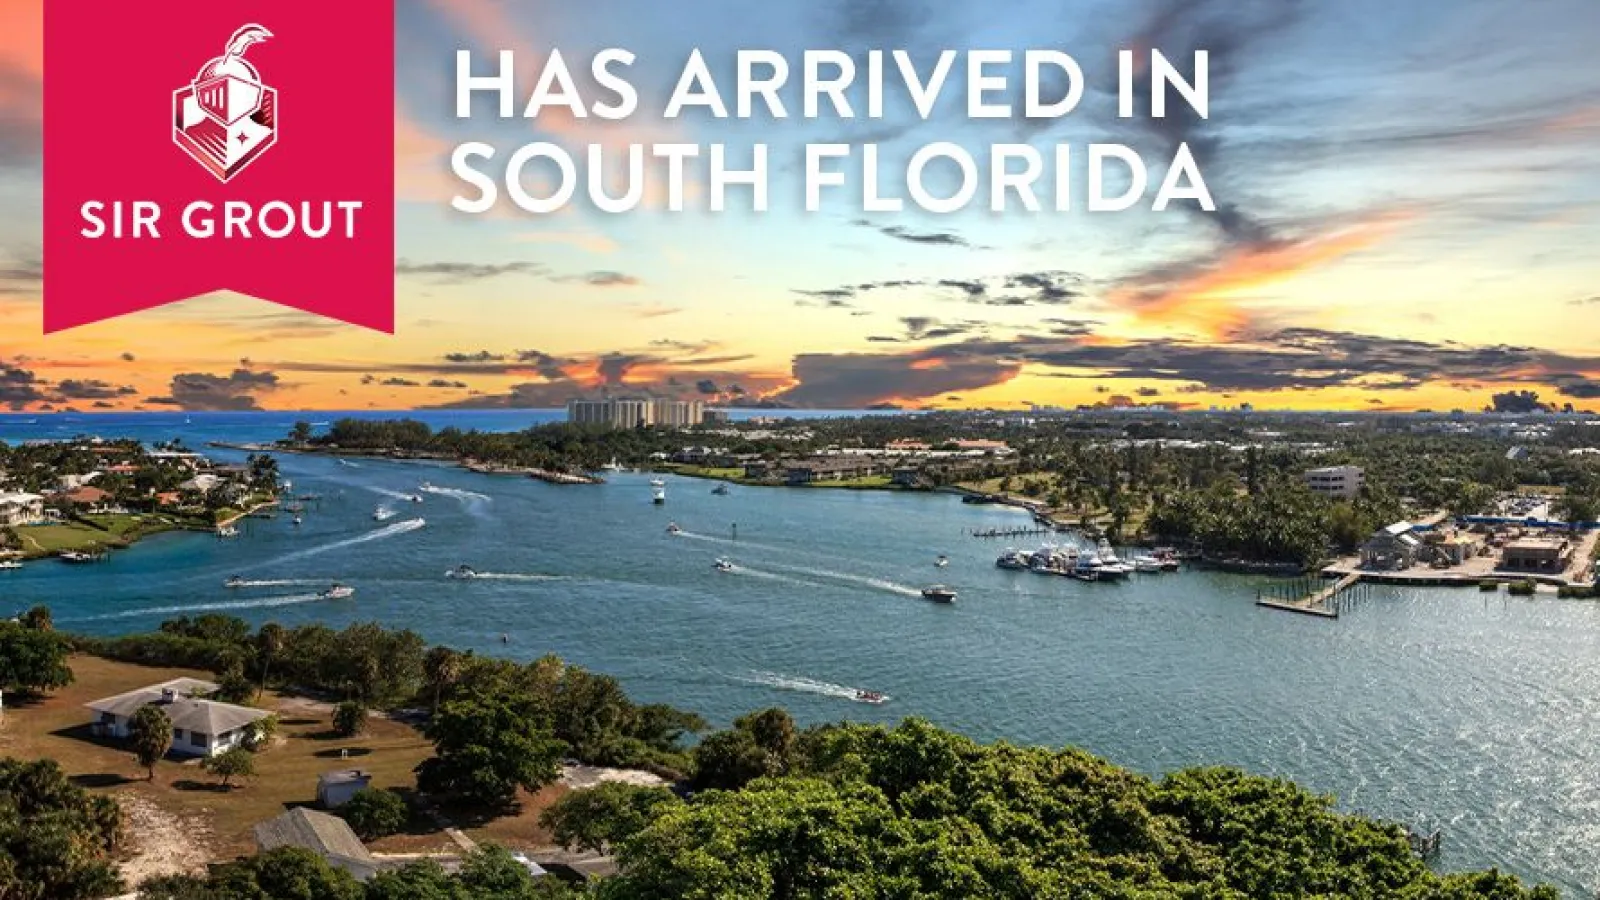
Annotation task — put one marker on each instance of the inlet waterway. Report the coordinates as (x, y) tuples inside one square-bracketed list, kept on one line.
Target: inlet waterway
[(1478, 714)]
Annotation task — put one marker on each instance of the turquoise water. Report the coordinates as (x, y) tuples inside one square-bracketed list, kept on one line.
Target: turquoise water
[(1475, 713)]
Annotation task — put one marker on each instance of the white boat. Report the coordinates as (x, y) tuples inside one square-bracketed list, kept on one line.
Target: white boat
[(873, 697), (656, 482), (722, 565), (7, 565), (938, 593), (227, 531), (1012, 558), (382, 514), (416, 498), (337, 592), (461, 571), (672, 528), (425, 486), (942, 561), (298, 520), (1111, 566), (1146, 563), (235, 581), (1053, 560), (659, 496)]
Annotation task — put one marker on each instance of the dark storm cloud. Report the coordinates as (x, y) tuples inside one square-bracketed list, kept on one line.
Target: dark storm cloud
[(546, 365), (91, 389), (707, 386), (925, 328), (200, 391), (860, 380), (614, 367), (19, 387)]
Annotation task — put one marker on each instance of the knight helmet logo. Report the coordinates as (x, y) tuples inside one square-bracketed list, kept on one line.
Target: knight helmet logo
[(227, 118)]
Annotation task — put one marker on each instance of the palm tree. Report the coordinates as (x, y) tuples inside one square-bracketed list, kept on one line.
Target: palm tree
[(269, 640), (442, 667)]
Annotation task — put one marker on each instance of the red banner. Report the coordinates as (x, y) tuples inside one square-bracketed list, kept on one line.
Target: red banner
[(201, 145)]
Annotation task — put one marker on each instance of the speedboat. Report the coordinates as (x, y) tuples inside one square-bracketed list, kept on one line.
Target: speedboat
[(337, 592), (873, 697), (227, 531), (299, 521), (720, 490), (656, 482), (938, 593), (234, 581), (659, 497), (672, 528), (722, 565), (8, 564), (416, 498), (942, 561), (1146, 563), (462, 571), (382, 514)]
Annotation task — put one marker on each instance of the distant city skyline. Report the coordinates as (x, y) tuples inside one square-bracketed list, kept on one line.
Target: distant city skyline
[(1408, 206)]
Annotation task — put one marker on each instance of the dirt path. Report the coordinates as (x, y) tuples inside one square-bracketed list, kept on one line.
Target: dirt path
[(160, 842)]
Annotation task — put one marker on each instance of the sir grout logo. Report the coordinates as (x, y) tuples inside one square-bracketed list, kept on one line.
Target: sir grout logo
[(227, 117), (307, 222)]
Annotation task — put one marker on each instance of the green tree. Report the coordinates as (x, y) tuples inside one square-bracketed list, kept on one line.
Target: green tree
[(150, 737), (374, 813), (32, 660), (441, 667), (605, 815), (269, 643), (349, 719), (38, 618), (287, 873), (57, 841), (229, 764), (487, 747)]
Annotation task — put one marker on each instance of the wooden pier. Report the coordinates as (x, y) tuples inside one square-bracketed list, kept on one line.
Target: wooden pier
[(1009, 532), (1308, 596)]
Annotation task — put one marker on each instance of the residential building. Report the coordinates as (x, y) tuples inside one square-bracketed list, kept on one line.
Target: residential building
[(87, 497), (1548, 554), (610, 413), (810, 471), (676, 413), (334, 789), (1391, 548), (20, 509), (1342, 482), (199, 727), (327, 836)]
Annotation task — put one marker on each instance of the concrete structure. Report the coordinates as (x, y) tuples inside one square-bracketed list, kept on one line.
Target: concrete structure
[(1341, 482), (199, 727), (327, 836), (20, 509), (1391, 548), (636, 412), (334, 789), (1547, 555)]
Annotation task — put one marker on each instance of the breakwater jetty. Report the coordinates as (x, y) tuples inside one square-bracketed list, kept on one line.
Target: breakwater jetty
[(1308, 596)]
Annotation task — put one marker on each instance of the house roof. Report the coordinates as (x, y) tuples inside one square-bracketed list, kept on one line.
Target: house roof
[(20, 498), (327, 836), (185, 712), (87, 494), (344, 776)]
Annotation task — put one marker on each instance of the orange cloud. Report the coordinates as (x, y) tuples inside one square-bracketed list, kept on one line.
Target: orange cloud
[(1206, 293), (22, 35)]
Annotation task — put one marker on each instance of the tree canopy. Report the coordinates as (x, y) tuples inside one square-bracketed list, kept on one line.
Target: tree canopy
[(56, 839)]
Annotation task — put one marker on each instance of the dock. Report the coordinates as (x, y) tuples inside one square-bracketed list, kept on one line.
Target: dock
[(1298, 598), (1010, 532)]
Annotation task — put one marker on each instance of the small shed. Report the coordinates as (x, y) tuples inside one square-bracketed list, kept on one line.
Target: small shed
[(334, 789)]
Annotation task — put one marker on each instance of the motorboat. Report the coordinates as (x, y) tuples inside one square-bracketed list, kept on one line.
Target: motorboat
[(938, 593), (1012, 558), (720, 490), (227, 531), (416, 498), (425, 486), (612, 466), (1110, 565), (656, 482), (299, 521), (7, 565), (462, 571), (873, 697), (79, 557), (722, 565), (673, 528), (337, 592), (382, 514), (1146, 563), (1052, 560), (1168, 558), (1085, 574), (942, 561), (659, 496), (234, 581)]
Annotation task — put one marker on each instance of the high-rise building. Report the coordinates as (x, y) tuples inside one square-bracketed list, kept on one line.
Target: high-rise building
[(636, 412), (1336, 481)]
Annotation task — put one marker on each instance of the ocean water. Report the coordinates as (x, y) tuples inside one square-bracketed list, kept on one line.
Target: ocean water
[(1478, 714)]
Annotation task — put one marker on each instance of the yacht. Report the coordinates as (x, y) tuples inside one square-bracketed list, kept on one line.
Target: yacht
[(1012, 558), (938, 593), (1053, 560), (1146, 563), (234, 581), (337, 592), (462, 571), (873, 697), (672, 528), (723, 565), (9, 564), (1109, 562)]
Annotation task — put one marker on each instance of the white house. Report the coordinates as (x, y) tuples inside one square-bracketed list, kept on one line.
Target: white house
[(20, 509), (334, 789), (199, 727), (1336, 481)]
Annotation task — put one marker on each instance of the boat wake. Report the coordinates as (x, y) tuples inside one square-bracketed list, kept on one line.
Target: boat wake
[(803, 685), (259, 603), (375, 535), (771, 576), (347, 463), (515, 576), (880, 584), (457, 493), (696, 536), (393, 495), (383, 513), (280, 582)]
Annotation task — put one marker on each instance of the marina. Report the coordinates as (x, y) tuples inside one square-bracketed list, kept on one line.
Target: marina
[(822, 610)]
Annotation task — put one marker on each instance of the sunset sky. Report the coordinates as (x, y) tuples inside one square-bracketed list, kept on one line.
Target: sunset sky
[(1408, 217)]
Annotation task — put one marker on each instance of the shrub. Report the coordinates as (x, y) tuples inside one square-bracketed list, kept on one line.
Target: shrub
[(349, 719), (1521, 588), (235, 763), (375, 813)]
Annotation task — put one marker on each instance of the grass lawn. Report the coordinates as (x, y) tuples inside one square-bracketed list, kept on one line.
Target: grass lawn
[(870, 481), (286, 774), (727, 474), (66, 536)]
